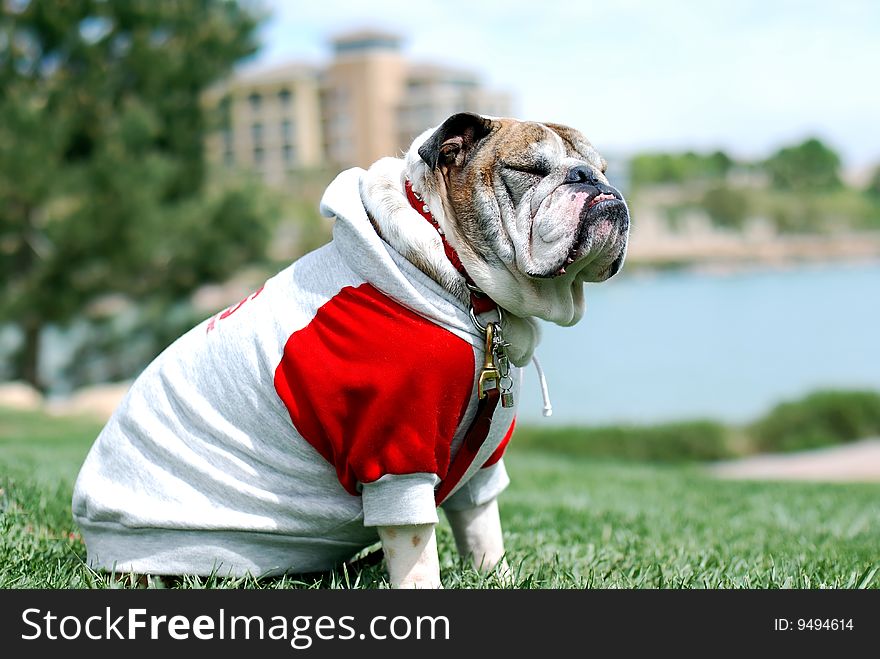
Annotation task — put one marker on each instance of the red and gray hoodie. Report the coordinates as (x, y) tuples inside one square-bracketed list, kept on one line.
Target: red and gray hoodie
[(277, 435)]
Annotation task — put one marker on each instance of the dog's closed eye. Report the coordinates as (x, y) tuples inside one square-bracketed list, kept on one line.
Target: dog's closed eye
[(530, 170)]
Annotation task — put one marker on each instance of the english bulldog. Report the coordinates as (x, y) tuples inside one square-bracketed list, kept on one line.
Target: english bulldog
[(370, 382)]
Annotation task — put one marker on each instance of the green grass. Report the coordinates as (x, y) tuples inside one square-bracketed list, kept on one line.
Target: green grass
[(684, 441), (570, 522), (818, 419)]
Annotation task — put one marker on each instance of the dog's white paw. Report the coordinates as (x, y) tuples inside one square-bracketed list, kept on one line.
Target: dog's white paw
[(419, 584)]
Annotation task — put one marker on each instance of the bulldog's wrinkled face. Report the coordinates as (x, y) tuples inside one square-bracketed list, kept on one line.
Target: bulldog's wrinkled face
[(533, 211)]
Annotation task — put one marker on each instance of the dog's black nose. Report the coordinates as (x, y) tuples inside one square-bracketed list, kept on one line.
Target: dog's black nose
[(581, 174)]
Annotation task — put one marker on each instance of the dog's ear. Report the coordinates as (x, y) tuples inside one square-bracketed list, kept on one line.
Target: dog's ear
[(455, 139)]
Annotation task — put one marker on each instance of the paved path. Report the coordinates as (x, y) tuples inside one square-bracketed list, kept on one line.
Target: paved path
[(858, 461)]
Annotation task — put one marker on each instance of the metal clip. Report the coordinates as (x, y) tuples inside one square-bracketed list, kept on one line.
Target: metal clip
[(490, 370), (505, 384)]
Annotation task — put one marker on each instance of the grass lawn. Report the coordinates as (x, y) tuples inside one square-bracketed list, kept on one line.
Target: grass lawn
[(570, 522)]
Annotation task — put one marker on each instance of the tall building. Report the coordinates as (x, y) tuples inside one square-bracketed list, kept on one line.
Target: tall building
[(433, 93), (366, 103), (268, 121), (363, 87)]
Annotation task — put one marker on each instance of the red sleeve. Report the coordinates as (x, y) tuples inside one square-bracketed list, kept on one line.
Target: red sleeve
[(375, 388), (499, 452)]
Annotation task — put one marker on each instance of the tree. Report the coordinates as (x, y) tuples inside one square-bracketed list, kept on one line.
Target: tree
[(873, 187), (677, 168), (719, 164), (810, 166), (102, 177), (728, 207)]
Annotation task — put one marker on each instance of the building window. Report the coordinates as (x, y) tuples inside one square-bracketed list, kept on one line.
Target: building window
[(342, 150), (284, 97), (225, 110), (288, 154), (259, 155), (286, 131), (255, 99), (257, 133)]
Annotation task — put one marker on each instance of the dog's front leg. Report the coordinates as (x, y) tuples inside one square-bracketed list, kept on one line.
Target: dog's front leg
[(478, 535), (411, 555)]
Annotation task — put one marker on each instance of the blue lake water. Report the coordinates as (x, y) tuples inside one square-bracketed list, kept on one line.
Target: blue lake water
[(678, 345)]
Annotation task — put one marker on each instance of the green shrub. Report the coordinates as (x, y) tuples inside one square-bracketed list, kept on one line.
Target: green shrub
[(820, 419), (728, 207), (671, 442)]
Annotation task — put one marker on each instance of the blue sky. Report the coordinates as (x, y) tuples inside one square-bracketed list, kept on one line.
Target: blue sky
[(746, 76)]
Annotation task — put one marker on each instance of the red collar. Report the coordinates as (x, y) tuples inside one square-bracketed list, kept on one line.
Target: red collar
[(480, 302)]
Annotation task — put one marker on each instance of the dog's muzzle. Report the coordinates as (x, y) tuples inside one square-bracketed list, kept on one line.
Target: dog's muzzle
[(597, 243)]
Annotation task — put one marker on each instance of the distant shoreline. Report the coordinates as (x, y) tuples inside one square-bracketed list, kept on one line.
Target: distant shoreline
[(724, 253)]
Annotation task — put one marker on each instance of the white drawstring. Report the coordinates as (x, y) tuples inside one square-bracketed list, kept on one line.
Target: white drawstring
[(545, 392)]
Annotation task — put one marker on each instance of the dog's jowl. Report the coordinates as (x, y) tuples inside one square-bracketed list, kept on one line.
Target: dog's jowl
[(339, 405)]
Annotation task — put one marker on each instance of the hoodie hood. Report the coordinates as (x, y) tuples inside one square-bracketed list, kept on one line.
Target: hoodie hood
[(367, 254), (384, 264)]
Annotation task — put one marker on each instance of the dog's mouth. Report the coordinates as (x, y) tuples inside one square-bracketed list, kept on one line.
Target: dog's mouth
[(597, 248), (578, 231), (602, 196)]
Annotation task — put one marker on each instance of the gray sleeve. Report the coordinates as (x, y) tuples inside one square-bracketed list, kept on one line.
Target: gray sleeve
[(397, 500), (484, 486)]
